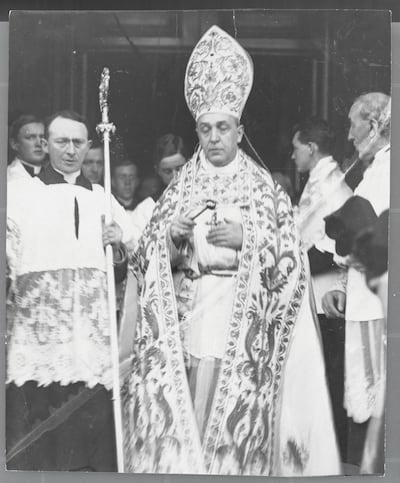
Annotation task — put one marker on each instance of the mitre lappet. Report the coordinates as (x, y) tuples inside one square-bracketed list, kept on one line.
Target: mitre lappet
[(219, 75)]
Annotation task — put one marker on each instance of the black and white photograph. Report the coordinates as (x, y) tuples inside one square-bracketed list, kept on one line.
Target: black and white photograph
[(197, 229)]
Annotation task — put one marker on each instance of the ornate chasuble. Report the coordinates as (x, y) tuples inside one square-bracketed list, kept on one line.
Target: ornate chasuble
[(242, 434)]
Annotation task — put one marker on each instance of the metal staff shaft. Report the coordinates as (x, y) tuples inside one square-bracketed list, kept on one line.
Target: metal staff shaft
[(106, 128)]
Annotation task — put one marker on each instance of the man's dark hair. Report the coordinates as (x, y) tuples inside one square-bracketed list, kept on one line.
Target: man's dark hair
[(65, 114), (168, 145), (21, 121), (122, 162), (316, 130)]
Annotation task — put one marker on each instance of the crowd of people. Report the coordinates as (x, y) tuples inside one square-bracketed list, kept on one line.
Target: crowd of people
[(256, 330)]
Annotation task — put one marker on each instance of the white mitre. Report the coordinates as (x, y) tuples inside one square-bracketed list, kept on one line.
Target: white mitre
[(219, 75)]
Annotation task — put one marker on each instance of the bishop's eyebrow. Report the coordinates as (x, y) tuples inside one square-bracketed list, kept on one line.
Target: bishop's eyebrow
[(218, 124)]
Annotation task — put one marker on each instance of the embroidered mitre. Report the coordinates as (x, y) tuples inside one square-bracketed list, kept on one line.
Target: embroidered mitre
[(219, 75)]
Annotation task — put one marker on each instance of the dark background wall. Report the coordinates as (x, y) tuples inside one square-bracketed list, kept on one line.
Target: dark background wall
[(305, 62)]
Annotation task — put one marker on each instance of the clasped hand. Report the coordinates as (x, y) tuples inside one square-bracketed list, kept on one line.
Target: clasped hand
[(228, 234)]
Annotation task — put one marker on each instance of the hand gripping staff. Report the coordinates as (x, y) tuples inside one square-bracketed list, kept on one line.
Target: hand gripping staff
[(106, 128)]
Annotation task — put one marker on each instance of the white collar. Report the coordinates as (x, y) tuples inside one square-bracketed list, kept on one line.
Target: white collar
[(35, 167), (378, 159), (382, 151), (324, 166), (227, 169), (69, 177)]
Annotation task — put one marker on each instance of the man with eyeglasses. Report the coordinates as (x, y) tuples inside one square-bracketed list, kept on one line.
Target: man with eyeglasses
[(59, 371)]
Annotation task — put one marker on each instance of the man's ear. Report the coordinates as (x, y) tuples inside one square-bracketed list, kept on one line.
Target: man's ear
[(240, 132), (45, 145), (88, 146), (313, 147), (374, 128), (13, 145)]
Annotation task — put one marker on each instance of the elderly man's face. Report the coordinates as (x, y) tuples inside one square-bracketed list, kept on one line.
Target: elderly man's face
[(219, 135), (67, 144), (93, 165), (28, 144), (360, 130)]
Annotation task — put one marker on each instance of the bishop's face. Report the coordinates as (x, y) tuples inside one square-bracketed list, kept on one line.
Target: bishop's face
[(219, 136)]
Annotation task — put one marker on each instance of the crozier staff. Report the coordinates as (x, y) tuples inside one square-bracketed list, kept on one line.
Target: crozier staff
[(106, 128)]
